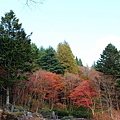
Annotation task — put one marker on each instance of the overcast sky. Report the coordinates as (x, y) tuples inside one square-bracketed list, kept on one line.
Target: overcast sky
[(87, 25)]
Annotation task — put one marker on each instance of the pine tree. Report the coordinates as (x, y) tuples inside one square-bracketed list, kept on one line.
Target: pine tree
[(79, 62), (50, 62), (35, 52), (15, 51), (66, 58), (35, 57), (109, 63), (41, 52)]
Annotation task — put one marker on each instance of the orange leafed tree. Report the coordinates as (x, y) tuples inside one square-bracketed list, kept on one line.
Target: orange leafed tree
[(84, 94), (46, 86)]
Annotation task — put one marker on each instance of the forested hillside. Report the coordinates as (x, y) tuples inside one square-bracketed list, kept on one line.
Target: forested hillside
[(44, 79)]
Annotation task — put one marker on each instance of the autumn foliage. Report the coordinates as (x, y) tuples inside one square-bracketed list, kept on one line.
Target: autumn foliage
[(39, 79), (45, 86), (50, 90), (83, 94)]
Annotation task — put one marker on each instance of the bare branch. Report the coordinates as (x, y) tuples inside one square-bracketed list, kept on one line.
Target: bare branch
[(34, 1), (3, 88)]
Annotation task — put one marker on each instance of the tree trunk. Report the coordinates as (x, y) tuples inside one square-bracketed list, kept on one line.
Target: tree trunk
[(7, 96), (1, 97), (100, 95), (117, 102)]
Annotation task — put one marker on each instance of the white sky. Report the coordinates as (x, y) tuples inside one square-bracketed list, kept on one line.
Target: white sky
[(87, 25)]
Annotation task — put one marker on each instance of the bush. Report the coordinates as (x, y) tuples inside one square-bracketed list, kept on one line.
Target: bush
[(61, 113), (81, 112)]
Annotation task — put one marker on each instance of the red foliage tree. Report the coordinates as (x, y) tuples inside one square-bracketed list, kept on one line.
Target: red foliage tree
[(70, 81), (45, 86), (84, 94)]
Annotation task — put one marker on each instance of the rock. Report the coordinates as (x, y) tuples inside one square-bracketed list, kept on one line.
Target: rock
[(16, 110), (22, 110), (9, 107), (41, 116), (36, 115), (29, 115)]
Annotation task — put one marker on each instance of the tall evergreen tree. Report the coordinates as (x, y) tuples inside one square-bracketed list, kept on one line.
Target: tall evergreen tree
[(35, 52), (109, 63), (66, 58), (41, 52), (50, 62), (79, 62), (35, 56), (15, 51)]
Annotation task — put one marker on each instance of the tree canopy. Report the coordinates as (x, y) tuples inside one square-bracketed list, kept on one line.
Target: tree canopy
[(109, 63), (50, 62), (66, 58), (15, 50), (79, 62)]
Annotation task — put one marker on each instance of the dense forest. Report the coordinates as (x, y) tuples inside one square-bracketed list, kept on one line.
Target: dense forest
[(44, 79)]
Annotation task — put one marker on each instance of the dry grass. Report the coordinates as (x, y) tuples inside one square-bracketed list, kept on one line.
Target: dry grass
[(106, 115)]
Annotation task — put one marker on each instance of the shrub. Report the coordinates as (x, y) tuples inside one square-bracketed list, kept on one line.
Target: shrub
[(81, 112), (61, 113)]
